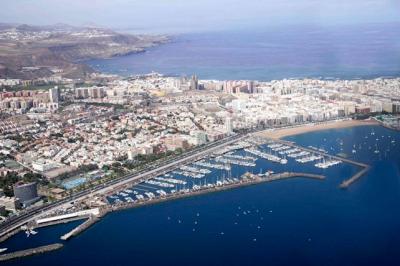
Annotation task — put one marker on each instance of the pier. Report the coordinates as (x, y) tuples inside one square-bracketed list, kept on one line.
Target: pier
[(30, 252), (80, 228), (354, 178)]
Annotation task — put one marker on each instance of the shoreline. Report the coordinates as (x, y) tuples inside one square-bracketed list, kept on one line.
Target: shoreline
[(298, 130)]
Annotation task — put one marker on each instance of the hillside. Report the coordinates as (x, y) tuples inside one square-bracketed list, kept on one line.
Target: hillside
[(37, 51)]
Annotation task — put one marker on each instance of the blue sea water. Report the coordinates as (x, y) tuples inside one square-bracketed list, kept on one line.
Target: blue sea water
[(363, 51), (288, 222)]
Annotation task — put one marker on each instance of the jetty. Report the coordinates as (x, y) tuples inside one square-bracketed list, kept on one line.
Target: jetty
[(30, 252), (80, 228), (354, 178)]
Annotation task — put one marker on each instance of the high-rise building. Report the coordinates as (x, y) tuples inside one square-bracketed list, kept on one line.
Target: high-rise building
[(194, 83), (54, 94), (228, 125), (250, 86), (26, 193), (81, 93), (96, 92)]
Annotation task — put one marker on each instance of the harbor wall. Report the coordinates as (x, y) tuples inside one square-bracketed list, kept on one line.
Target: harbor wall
[(30, 252), (255, 179), (82, 227), (346, 183)]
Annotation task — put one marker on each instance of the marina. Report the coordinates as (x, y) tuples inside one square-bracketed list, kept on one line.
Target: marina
[(216, 171), (170, 185), (245, 180)]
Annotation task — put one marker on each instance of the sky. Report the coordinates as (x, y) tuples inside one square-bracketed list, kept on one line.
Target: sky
[(198, 15)]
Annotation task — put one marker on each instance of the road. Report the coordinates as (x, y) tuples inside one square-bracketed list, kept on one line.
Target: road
[(150, 171)]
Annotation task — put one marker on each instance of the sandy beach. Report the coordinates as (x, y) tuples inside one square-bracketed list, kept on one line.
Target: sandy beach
[(284, 132)]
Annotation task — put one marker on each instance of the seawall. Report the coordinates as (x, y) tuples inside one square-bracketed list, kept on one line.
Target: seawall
[(30, 252)]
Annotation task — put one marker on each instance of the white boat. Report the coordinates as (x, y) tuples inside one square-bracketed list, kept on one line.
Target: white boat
[(376, 149), (3, 249)]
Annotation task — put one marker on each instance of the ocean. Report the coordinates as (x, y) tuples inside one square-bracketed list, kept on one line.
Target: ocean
[(287, 222), (363, 51)]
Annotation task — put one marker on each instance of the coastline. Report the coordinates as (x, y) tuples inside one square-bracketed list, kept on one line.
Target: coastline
[(292, 131)]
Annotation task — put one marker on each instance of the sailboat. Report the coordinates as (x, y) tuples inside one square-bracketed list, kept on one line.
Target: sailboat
[(376, 149), (284, 160), (354, 149), (260, 174)]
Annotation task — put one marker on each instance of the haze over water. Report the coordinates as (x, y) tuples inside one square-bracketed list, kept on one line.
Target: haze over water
[(345, 52)]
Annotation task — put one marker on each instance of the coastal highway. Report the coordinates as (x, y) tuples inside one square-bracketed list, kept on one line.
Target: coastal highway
[(154, 169)]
